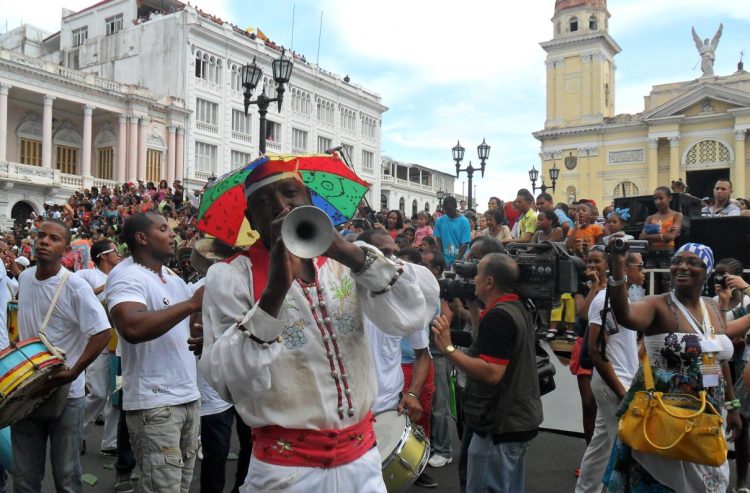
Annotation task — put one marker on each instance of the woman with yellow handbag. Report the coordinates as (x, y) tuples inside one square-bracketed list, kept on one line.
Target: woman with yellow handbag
[(671, 435)]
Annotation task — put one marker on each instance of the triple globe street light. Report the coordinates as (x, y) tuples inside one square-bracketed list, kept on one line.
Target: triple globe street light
[(251, 75), (483, 152), (554, 174)]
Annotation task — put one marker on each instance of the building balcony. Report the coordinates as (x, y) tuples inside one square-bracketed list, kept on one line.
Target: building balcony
[(207, 127), (240, 136), (406, 184), (26, 174), (272, 144)]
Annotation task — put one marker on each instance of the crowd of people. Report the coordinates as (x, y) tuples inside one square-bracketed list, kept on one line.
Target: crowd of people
[(302, 355)]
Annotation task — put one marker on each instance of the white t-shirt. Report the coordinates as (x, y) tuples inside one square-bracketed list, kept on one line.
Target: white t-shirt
[(160, 372), (77, 316), (211, 401), (622, 346), (386, 352), (95, 278)]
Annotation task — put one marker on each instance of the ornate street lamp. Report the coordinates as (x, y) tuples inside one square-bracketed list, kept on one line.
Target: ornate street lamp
[(251, 75), (483, 151), (440, 197), (554, 174)]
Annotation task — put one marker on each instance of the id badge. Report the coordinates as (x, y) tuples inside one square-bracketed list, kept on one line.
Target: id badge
[(710, 370)]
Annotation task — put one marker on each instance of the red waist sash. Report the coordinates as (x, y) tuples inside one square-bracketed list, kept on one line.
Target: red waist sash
[(313, 448)]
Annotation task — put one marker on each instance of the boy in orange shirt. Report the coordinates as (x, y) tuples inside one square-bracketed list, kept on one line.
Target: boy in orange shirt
[(586, 232)]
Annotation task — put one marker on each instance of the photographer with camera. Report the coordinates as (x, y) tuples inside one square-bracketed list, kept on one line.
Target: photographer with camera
[(501, 401), (614, 351)]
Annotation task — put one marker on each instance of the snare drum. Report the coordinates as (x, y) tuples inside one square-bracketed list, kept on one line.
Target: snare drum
[(24, 368), (13, 320), (404, 450)]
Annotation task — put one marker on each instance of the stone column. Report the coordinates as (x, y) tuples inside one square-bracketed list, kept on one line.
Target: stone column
[(145, 122), (179, 150), (133, 151), (674, 158), (738, 180), (4, 88), (170, 155), (653, 164), (47, 132), (88, 111), (121, 171)]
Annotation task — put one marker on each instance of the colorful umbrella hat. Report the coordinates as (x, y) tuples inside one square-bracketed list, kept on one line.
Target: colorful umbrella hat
[(334, 188)]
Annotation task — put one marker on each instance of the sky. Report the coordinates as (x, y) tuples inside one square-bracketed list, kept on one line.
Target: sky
[(468, 70)]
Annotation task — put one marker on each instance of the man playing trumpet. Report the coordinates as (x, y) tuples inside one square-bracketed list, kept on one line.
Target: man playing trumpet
[(284, 341)]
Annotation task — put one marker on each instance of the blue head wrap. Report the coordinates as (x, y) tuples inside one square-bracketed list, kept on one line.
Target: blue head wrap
[(702, 251)]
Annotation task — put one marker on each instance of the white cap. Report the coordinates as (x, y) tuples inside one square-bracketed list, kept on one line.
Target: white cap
[(23, 262)]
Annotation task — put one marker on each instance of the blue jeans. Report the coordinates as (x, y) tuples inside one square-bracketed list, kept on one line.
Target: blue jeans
[(29, 438), (495, 468), (216, 432), (442, 421)]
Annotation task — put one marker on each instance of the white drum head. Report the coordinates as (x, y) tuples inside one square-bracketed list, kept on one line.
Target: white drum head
[(389, 430)]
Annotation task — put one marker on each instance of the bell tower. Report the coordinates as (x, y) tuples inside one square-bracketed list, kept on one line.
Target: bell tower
[(580, 65)]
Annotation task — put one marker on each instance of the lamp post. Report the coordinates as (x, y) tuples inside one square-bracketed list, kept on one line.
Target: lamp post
[(251, 75), (483, 152), (440, 197), (554, 174)]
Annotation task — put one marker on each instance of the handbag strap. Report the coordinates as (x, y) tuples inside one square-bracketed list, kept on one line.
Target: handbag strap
[(60, 286), (648, 377)]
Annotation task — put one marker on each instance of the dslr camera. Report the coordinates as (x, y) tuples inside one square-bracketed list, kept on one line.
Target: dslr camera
[(621, 246)]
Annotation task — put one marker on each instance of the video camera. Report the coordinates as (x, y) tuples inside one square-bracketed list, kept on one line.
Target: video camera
[(621, 246), (546, 270)]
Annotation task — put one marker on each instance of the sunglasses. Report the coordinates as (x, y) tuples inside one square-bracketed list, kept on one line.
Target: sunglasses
[(691, 261), (105, 252)]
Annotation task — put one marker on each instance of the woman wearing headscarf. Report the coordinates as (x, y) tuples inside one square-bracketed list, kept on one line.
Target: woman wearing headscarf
[(682, 332)]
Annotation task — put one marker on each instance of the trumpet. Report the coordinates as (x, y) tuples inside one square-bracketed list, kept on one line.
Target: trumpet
[(307, 231)]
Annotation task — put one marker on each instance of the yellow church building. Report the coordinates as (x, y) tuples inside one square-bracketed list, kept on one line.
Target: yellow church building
[(695, 130)]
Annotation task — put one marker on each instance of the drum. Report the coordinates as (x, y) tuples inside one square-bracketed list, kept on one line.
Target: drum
[(13, 320), (24, 368), (404, 450)]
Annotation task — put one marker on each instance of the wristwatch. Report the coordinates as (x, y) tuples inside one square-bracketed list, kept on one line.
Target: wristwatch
[(449, 349), (617, 282)]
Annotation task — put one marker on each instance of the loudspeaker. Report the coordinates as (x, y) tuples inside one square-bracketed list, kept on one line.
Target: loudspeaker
[(727, 236)]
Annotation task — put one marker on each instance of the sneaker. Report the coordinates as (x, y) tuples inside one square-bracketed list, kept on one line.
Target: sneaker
[(570, 335), (551, 334), (439, 461), (108, 452), (124, 483), (426, 481)]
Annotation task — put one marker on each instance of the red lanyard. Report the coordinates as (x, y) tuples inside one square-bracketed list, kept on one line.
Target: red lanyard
[(502, 299)]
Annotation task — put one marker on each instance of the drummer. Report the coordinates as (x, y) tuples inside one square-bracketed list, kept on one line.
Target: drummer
[(79, 326), (99, 398), (283, 340)]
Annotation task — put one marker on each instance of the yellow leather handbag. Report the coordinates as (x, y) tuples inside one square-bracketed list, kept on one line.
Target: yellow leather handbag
[(676, 426)]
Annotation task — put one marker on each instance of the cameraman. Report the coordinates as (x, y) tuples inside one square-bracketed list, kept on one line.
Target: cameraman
[(501, 402)]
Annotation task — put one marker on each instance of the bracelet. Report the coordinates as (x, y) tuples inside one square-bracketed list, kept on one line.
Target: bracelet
[(732, 405), (370, 258), (413, 395), (612, 282), (390, 284)]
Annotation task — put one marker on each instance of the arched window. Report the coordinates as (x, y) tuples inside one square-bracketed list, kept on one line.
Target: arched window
[(427, 207), (104, 143), (29, 134), (625, 189), (708, 152), (20, 212), (401, 204), (414, 208), (593, 23), (67, 142), (156, 149), (383, 201), (573, 24)]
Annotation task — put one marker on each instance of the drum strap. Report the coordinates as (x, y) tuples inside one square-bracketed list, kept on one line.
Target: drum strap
[(56, 351)]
